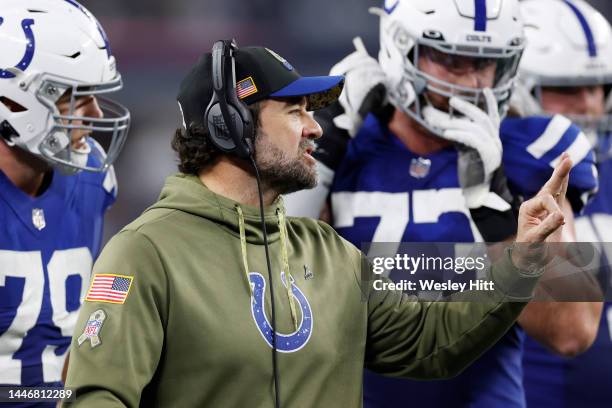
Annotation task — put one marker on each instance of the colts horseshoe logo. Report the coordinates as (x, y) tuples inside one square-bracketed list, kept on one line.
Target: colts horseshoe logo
[(28, 55), (285, 343)]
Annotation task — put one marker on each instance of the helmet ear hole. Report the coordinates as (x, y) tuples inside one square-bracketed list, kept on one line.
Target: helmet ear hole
[(12, 105), (7, 132), (410, 57)]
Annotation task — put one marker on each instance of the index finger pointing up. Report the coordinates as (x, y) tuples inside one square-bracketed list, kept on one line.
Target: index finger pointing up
[(559, 180)]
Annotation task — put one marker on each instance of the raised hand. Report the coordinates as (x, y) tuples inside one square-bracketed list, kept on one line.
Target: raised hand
[(541, 218)]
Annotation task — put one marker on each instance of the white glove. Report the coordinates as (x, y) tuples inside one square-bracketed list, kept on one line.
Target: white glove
[(364, 87), (479, 132)]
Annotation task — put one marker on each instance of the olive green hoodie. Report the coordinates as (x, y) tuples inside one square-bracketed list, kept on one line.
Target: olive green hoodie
[(194, 328)]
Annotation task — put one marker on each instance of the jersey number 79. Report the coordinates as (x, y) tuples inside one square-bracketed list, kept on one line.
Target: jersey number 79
[(29, 267)]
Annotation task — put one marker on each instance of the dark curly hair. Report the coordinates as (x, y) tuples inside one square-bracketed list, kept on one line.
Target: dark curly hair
[(194, 148)]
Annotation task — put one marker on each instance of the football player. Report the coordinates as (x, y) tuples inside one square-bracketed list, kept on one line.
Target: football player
[(567, 69), (57, 66), (425, 165)]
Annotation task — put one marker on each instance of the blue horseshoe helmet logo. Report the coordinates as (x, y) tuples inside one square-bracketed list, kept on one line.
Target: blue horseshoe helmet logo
[(26, 25), (285, 343)]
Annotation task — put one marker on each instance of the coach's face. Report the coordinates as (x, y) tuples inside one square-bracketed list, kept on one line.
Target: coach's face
[(285, 143)]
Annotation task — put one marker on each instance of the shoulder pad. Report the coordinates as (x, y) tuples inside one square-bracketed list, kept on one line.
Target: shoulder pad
[(533, 147)]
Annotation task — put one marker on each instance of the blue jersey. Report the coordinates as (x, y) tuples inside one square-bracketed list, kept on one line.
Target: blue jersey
[(383, 192), (583, 381), (47, 247), (533, 147)]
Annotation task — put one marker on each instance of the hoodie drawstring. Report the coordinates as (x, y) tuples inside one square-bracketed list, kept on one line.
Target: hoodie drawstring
[(282, 226), (243, 249), (285, 258)]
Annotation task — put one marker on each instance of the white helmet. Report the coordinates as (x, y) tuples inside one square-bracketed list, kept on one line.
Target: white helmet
[(491, 30), (569, 43), (50, 47)]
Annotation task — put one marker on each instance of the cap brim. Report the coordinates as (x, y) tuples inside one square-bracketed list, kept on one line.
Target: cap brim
[(321, 91)]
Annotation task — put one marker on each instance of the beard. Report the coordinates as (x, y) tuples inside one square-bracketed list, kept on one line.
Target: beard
[(280, 172)]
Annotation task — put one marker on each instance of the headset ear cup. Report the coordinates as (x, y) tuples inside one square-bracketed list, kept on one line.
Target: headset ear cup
[(229, 121), (248, 133), (243, 123), (217, 128)]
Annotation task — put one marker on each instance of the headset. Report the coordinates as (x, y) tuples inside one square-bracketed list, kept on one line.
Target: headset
[(230, 128), (229, 121)]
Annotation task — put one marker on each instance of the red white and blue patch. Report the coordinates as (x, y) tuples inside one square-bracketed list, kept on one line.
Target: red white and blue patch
[(245, 88), (419, 168), (109, 288)]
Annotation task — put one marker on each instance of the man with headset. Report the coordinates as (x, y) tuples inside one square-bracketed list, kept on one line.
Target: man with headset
[(178, 312)]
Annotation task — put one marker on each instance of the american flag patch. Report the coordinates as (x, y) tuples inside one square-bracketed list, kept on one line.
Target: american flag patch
[(245, 88), (109, 288)]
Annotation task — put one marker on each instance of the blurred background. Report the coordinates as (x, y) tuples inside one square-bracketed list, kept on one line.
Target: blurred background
[(156, 42)]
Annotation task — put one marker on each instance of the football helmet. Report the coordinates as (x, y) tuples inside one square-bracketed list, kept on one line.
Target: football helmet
[(50, 49), (569, 44), (479, 32)]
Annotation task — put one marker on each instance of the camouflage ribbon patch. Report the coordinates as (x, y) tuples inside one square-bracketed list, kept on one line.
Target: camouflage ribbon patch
[(92, 329)]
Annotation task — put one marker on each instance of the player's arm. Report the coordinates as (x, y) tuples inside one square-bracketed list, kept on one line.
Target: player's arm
[(117, 346), (566, 328), (439, 339)]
